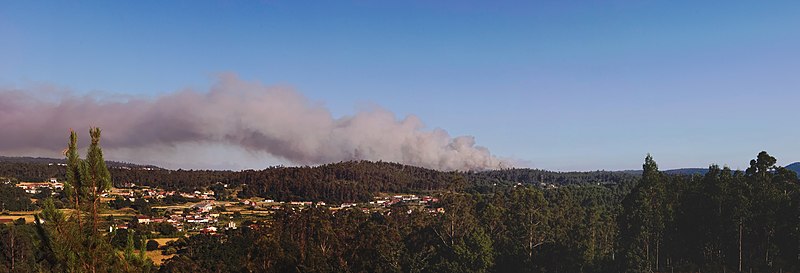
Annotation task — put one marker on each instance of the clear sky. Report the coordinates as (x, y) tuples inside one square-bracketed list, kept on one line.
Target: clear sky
[(564, 85)]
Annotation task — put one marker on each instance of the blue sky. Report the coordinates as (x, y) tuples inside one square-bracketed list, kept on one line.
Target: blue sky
[(564, 85)]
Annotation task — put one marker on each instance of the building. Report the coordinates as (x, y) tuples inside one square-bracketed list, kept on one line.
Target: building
[(205, 206), (143, 219), (36, 187)]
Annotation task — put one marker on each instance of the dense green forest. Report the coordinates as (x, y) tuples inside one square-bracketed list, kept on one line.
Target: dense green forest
[(513, 220)]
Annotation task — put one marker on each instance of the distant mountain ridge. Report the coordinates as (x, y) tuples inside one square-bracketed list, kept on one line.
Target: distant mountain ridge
[(46, 160), (687, 171), (701, 171), (681, 171), (794, 167)]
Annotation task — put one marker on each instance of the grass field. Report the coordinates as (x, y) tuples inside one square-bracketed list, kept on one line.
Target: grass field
[(183, 206), (156, 255), (14, 215), (28, 218), (164, 241), (28, 215), (119, 213)]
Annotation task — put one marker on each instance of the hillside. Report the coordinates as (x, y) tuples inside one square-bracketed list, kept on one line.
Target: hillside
[(336, 182), (794, 167)]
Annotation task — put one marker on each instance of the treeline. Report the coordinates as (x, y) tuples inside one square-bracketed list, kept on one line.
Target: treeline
[(353, 181), (723, 221), (13, 198), (30, 172), (484, 181), (534, 176)]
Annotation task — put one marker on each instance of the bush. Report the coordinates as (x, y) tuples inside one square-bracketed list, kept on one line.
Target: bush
[(170, 251), (166, 229), (119, 238), (14, 198), (152, 245)]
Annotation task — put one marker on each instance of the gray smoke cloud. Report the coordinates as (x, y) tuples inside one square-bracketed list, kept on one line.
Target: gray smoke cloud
[(273, 120)]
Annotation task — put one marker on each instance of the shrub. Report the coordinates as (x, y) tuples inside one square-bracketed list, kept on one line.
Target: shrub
[(152, 245)]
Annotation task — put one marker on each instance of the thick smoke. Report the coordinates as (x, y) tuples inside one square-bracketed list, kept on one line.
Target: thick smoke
[(273, 120)]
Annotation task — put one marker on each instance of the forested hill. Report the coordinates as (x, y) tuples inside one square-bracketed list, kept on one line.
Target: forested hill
[(337, 182)]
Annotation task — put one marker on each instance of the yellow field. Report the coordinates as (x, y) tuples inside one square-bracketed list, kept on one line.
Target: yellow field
[(183, 206), (28, 215), (14, 215), (164, 241), (247, 212), (117, 213), (28, 218), (24, 212), (157, 257), (236, 208)]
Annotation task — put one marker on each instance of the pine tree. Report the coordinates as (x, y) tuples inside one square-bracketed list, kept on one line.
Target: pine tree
[(68, 244), (643, 221)]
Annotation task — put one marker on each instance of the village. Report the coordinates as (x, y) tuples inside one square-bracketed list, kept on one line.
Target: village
[(166, 213)]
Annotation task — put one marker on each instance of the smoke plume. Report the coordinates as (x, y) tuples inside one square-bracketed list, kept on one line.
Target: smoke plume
[(273, 120)]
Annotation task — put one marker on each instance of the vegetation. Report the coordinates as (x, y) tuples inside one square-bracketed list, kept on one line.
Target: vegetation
[(13, 198), (722, 221), (498, 221), (73, 242), (355, 181)]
